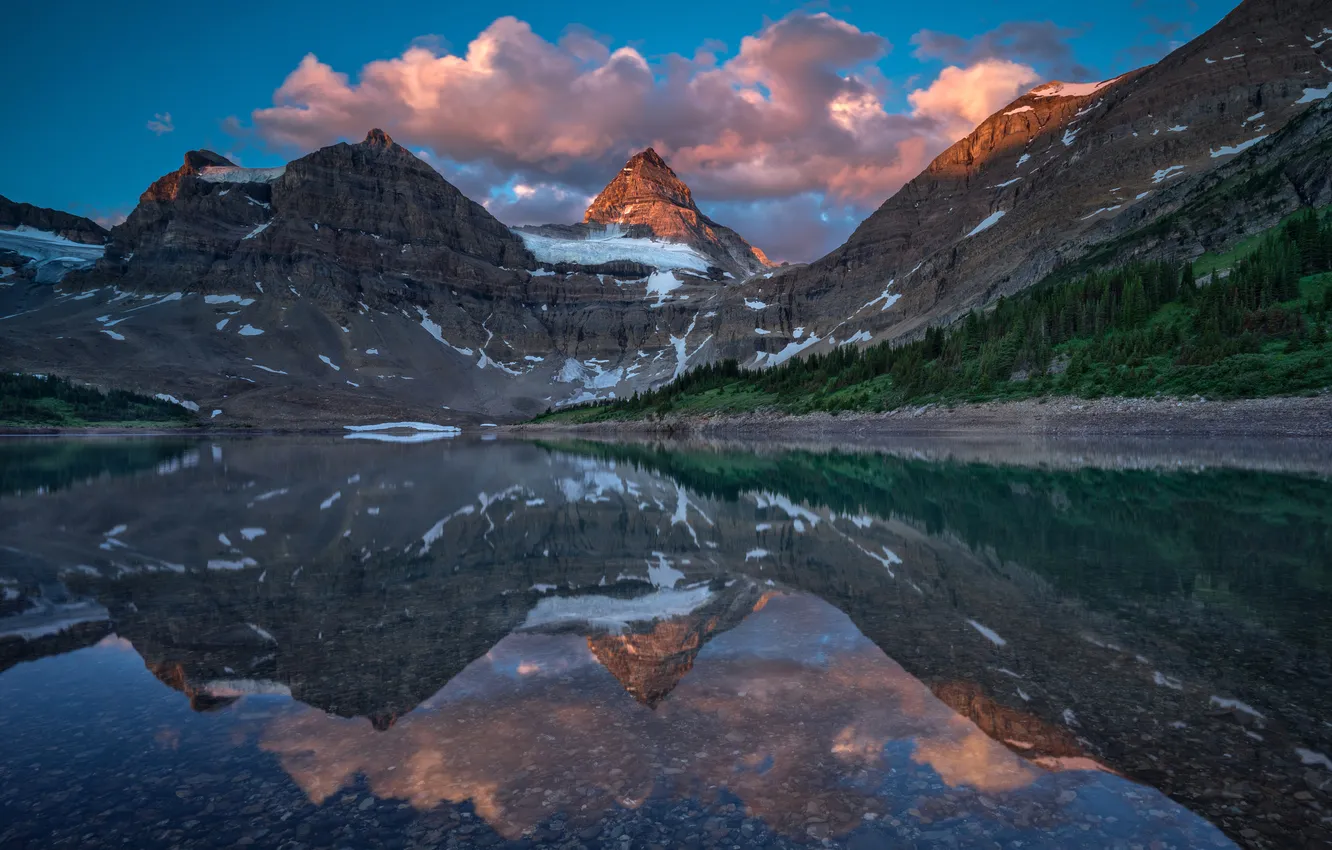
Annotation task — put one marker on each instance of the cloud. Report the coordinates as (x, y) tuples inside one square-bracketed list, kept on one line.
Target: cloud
[(963, 97), (1033, 43), (161, 123), (795, 119)]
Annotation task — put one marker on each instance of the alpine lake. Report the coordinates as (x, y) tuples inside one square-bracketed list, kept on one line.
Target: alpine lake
[(318, 642)]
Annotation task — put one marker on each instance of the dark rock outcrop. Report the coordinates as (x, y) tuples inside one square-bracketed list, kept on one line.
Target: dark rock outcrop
[(75, 228)]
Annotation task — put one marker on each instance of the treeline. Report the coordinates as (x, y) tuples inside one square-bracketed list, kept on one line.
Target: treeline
[(53, 401), (1147, 328)]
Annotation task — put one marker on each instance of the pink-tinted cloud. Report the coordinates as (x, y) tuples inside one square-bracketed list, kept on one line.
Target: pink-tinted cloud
[(796, 118), (961, 98)]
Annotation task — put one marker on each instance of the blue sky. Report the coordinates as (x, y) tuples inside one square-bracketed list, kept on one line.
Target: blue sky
[(88, 78)]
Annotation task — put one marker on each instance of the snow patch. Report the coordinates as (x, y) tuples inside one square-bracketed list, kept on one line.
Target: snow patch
[(616, 614), (236, 174), (1230, 150), (1166, 173), (1311, 95), (990, 634), (249, 330), (613, 245), (1058, 89), (188, 405), (990, 221)]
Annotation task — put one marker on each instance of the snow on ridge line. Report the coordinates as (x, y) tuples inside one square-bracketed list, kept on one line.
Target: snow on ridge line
[(236, 174), (414, 426), (1058, 89)]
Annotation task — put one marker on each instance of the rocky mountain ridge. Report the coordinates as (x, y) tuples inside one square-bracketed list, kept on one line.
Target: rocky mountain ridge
[(356, 284), (1059, 172)]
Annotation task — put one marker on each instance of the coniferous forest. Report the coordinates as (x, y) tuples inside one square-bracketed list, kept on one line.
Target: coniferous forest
[(33, 400), (1258, 328)]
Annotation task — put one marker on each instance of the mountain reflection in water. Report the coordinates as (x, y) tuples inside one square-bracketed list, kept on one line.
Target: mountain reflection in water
[(462, 644)]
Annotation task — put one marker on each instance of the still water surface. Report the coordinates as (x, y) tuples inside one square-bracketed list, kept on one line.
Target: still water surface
[(311, 643)]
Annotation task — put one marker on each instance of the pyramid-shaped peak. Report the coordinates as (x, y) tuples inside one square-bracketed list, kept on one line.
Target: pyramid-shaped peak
[(644, 182), (648, 156), (378, 138)]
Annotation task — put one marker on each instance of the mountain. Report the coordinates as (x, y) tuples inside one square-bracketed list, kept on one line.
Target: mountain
[(354, 284), (1065, 168), (45, 244), (75, 228), (645, 205)]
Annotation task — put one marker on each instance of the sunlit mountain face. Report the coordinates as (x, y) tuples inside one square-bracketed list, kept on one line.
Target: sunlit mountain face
[(500, 643)]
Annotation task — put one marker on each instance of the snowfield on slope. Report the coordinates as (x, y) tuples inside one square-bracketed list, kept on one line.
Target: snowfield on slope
[(611, 246)]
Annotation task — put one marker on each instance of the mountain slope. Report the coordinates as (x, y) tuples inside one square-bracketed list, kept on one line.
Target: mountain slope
[(353, 284), (1045, 179)]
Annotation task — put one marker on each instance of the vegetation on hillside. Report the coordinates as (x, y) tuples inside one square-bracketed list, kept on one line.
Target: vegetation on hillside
[(49, 401), (1146, 329)]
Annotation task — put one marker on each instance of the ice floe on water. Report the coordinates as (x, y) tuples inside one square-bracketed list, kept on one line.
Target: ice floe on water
[(411, 426)]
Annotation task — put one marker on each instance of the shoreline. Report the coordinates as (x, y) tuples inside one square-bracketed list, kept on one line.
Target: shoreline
[(1280, 416), (1271, 417)]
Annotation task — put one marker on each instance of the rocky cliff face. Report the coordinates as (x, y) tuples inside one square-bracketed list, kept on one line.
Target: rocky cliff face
[(646, 218), (75, 228), (1052, 176), (647, 194), (347, 218), (354, 283)]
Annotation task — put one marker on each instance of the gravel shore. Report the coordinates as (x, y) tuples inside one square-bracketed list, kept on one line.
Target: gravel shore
[(1070, 417)]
